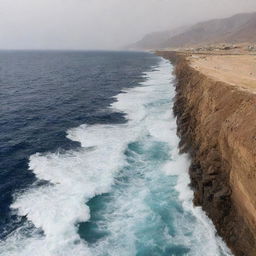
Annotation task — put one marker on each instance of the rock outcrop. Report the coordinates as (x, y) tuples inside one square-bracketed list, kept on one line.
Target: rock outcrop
[(217, 127)]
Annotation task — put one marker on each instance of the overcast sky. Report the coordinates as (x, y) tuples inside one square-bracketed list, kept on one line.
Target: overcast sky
[(105, 24)]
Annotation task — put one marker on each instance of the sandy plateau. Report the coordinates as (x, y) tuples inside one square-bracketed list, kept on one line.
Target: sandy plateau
[(238, 70)]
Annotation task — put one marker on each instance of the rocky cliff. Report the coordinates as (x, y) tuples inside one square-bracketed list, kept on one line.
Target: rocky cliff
[(217, 127)]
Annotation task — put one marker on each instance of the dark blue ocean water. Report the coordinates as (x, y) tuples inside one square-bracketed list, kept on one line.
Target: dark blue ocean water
[(43, 94), (89, 159)]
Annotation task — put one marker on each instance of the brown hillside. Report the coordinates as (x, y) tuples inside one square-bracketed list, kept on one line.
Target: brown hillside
[(238, 28)]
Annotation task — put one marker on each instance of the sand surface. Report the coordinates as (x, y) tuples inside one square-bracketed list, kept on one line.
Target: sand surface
[(238, 70)]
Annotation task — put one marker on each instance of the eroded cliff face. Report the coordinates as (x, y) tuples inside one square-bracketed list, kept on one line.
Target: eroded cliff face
[(217, 126)]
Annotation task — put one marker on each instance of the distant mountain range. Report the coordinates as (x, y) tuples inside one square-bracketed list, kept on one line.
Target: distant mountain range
[(236, 29)]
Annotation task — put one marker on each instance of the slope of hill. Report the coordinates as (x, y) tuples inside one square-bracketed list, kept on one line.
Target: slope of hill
[(155, 39), (236, 29)]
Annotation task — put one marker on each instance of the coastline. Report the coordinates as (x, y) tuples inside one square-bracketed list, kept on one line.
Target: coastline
[(216, 125)]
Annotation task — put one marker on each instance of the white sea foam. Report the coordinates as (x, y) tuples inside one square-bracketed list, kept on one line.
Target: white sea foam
[(77, 176)]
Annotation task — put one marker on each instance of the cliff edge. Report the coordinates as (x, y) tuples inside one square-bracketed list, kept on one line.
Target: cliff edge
[(216, 116)]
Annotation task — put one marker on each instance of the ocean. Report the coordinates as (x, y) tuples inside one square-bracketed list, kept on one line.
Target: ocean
[(89, 159)]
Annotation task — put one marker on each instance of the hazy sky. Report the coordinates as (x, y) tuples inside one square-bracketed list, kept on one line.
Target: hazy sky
[(93, 24)]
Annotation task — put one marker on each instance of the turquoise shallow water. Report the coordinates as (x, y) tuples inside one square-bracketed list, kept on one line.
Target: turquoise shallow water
[(147, 210), (124, 192), (150, 206)]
